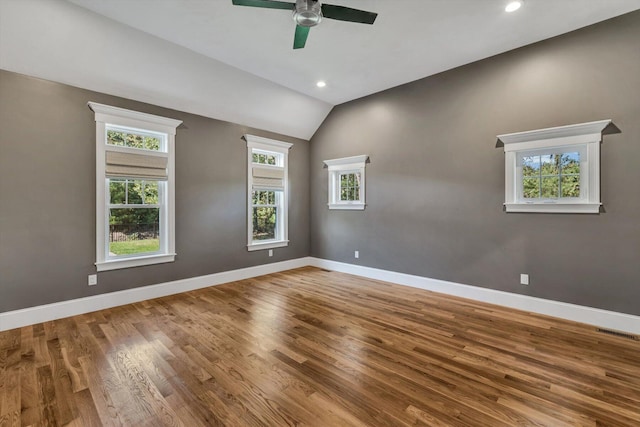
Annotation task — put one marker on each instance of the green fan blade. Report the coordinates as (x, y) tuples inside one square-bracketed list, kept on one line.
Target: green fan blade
[(265, 3), (300, 38), (342, 13)]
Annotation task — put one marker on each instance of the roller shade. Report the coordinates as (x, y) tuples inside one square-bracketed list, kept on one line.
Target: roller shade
[(135, 165), (268, 178)]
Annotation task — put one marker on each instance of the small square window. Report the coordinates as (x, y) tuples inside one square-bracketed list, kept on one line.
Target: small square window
[(346, 182)]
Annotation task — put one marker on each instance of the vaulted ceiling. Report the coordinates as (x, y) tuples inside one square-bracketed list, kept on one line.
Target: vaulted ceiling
[(236, 63)]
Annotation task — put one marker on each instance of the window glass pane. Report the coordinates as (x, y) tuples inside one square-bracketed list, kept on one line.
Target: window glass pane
[(531, 188), (117, 192), (264, 159), (134, 231), (344, 180), (150, 193), (357, 179), (345, 194), (570, 186), (531, 166), (132, 140), (134, 192), (264, 223), (549, 187), (570, 163), (264, 197), (356, 193), (549, 164)]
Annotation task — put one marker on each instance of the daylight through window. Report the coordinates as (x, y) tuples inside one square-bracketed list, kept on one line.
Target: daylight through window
[(554, 170), (551, 176), (134, 188), (350, 186), (267, 187), (346, 182)]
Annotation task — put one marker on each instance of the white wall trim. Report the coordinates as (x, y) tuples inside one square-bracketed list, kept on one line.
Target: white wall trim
[(353, 162), (593, 130), (58, 310), (563, 310), (576, 313)]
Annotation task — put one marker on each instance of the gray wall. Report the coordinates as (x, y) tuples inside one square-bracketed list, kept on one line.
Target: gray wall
[(435, 181), (435, 184), (47, 196)]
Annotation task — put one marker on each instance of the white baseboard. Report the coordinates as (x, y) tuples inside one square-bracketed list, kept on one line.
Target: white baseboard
[(563, 310), (577, 313), (58, 310)]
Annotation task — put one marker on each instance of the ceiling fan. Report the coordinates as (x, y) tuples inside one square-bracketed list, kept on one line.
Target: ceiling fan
[(309, 13)]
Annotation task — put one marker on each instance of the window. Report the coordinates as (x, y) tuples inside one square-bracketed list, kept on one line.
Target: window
[(551, 174), (267, 189), (554, 170), (350, 187), (346, 182), (134, 188)]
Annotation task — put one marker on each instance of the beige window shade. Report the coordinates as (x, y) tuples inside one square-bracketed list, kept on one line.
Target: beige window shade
[(135, 165), (268, 178)]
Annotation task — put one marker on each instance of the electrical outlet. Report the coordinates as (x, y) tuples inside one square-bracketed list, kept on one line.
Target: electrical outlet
[(524, 279), (93, 279), (356, 254), (270, 252)]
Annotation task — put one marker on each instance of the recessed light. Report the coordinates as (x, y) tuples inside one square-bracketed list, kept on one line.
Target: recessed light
[(321, 84), (512, 6)]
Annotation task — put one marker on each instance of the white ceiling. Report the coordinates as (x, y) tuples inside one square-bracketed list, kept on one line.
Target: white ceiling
[(411, 39)]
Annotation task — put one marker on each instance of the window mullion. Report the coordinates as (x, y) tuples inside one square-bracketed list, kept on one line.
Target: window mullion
[(134, 206), (540, 179), (559, 165)]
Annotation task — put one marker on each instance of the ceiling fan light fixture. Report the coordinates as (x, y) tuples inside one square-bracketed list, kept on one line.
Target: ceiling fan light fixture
[(307, 13)]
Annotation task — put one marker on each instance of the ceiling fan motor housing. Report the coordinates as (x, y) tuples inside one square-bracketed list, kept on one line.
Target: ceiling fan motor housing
[(307, 13)]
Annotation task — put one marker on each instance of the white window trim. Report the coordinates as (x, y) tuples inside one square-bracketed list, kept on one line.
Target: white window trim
[(107, 115), (269, 145), (354, 164), (585, 136)]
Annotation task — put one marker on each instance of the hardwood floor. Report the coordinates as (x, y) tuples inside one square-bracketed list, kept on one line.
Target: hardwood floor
[(317, 348)]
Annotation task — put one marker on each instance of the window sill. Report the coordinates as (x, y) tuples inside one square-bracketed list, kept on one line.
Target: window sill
[(347, 206), (584, 208), (117, 264), (267, 245)]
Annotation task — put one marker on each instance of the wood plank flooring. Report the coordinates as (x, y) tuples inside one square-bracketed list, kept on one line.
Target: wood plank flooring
[(310, 347)]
